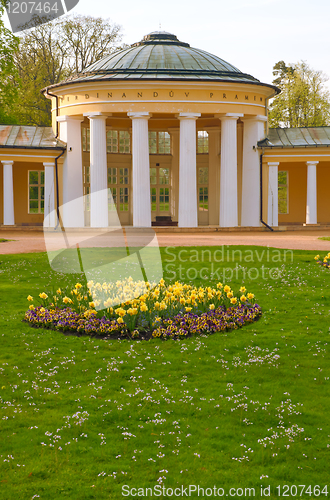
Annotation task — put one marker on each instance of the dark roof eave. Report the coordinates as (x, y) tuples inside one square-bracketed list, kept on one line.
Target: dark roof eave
[(47, 148), (184, 79), (288, 146)]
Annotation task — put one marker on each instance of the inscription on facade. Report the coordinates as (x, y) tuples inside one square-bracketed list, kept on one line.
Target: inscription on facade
[(163, 95)]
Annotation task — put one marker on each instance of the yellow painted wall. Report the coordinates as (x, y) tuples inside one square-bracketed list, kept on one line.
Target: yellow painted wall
[(161, 97), (1, 193), (20, 179), (297, 193), (323, 192)]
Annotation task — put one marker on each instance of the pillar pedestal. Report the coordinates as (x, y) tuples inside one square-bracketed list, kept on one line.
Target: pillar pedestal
[(272, 217), (311, 205), (253, 131), (228, 170), (141, 170), (187, 171), (49, 203), (73, 203), (8, 194), (98, 171)]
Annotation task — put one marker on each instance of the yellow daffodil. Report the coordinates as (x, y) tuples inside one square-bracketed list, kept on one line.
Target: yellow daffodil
[(43, 295), (230, 295), (243, 298), (226, 289), (211, 307), (78, 285), (30, 298), (233, 300), (250, 296), (242, 289)]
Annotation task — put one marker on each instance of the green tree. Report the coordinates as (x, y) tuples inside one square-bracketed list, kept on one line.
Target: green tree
[(304, 101), (8, 47), (52, 52)]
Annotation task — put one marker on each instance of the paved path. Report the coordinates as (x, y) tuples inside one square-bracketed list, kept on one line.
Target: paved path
[(33, 241)]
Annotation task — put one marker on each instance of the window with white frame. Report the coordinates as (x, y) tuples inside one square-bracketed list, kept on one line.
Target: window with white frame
[(202, 142), (118, 182), (118, 141), (283, 192), (85, 138), (160, 190), (36, 188), (159, 142), (86, 187), (203, 189)]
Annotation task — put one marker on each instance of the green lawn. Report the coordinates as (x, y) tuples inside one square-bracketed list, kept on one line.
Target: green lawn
[(80, 417)]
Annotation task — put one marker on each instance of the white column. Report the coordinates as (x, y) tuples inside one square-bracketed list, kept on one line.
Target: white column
[(253, 131), (73, 202), (98, 170), (8, 194), (311, 207), (174, 132), (141, 170), (49, 201), (187, 171), (272, 217), (228, 170), (214, 174)]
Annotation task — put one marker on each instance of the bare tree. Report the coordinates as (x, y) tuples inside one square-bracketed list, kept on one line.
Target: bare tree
[(52, 52)]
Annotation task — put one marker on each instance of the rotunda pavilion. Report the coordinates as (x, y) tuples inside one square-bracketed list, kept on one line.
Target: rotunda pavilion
[(171, 131)]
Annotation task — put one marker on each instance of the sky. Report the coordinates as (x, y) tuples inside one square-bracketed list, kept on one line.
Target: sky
[(252, 35)]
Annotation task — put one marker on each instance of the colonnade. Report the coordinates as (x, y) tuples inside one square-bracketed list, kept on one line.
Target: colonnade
[(187, 175), (187, 211), (311, 201)]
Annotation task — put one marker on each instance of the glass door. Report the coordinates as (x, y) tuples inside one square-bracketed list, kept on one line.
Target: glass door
[(160, 192), (203, 196)]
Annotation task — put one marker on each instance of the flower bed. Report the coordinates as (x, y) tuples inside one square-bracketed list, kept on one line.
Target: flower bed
[(142, 310), (323, 262)]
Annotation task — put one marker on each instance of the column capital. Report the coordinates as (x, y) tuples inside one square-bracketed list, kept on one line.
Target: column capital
[(308, 163), (273, 163), (97, 114), (188, 116), (68, 118), (254, 118), (48, 164), (228, 116), (7, 162), (134, 115)]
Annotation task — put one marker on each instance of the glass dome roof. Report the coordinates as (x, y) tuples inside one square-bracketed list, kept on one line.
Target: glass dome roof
[(161, 56)]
